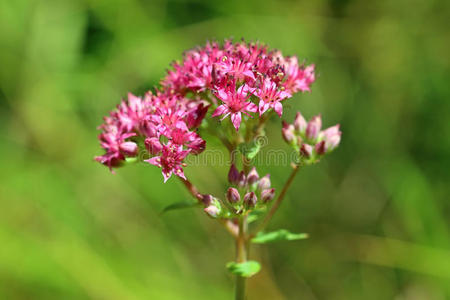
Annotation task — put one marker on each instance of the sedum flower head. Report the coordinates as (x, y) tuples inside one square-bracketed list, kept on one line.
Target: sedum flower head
[(233, 80)]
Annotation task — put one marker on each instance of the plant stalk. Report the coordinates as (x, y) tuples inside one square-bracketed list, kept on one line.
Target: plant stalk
[(229, 226), (277, 203), (241, 256)]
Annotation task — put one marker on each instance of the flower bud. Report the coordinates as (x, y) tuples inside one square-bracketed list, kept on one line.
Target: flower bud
[(129, 148), (306, 150), (313, 127), (300, 123), (212, 211), (267, 195), (233, 175), (195, 117), (242, 181), (197, 146), (233, 195), (330, 131), (250, 199), (288, 132), (320, 148), (153, 145), (252, 176), (264, 183), (332, 137), (207, 199), (148, 129)]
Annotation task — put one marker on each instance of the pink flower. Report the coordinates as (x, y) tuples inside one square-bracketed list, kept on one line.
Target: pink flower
[(196, 115), (131, 113), (236, 67), (190, 139), (168, 118), (299, 78), (170, 160), (153, 145), (270, 97), (116, 146), (235, 103)]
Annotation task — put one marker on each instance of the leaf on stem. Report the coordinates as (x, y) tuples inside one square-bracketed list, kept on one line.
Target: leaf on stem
[(254, 215), (278, 235), (250, 150), (245, 269)]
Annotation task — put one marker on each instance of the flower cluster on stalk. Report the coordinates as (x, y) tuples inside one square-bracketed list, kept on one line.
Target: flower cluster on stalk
[(308, 139), (236, 80), (247, 192)]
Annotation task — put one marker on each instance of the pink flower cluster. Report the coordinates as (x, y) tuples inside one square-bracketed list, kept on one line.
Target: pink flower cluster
[(245, 78), (235, 72), (308, 138), (164, 123)]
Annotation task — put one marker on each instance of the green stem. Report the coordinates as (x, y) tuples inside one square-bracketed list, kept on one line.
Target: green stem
[(241, 256), (277, 203)]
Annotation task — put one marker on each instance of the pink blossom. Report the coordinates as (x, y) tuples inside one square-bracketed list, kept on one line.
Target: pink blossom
[(116, 146), (236, 67), (299, 78), (270, 97), (170, 160), (235, 103), (153, 145)]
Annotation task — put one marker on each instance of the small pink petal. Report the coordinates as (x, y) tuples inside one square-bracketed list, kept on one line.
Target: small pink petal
[(236, 120), (220, 110), (263, 107), (250, 74), (251, 107), (156, 161), (166, 175), (222, 95), (278, 108), (179, 172)]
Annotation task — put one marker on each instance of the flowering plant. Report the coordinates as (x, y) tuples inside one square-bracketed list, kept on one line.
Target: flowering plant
[(242, 82)]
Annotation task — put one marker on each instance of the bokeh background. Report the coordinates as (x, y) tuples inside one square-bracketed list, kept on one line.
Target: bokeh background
[(377, 209)]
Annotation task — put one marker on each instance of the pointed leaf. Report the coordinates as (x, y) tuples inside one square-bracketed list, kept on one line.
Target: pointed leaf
[(245, 269), (279, 235), (250, 150), (254, 215)]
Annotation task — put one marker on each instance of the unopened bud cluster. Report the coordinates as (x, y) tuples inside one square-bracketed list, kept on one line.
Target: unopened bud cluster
[(247, 192), (308, 139)]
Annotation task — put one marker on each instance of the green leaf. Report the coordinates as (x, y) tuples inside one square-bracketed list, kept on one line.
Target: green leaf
[(279, 235), (250, 150), (179, 205), (245, 269), (254, 215)]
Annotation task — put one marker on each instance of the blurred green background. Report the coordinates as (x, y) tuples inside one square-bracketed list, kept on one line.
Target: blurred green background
[(377, 209)]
